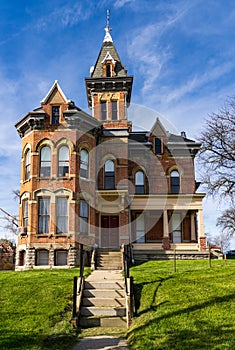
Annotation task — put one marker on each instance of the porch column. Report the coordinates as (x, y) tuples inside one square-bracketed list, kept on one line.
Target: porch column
[(165, 241), (193, 231), (201, 235), (165, 225), (200, 224)]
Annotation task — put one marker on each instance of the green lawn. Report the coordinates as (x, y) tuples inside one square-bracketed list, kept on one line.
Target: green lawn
[(36, 309), (193, 308)]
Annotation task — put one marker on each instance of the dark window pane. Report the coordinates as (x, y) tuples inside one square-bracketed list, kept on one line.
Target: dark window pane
[(175, 182), (114, 110), (84, 212), (62, 215), (103, 111), (63, 163), (43, 215), (158, 146), (45, 161), (84, 163), (55, 114)]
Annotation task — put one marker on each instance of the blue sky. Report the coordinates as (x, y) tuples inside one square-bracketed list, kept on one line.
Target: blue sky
[(180, 52)]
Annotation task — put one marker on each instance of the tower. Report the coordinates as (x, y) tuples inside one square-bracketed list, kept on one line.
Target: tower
[(109, 87)]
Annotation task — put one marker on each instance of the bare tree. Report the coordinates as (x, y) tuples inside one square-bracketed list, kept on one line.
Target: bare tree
[(221, 240), (227, 221), (217, 156), (218, 151), (10, 222)]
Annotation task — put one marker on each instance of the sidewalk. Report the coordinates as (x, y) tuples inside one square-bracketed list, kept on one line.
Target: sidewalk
[(101, 343)]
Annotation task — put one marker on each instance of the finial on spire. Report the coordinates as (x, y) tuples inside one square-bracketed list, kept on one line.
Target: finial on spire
[(107, 18), (107, 29)]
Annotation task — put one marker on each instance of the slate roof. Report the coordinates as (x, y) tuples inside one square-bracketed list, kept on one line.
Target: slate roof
[(108, 47)]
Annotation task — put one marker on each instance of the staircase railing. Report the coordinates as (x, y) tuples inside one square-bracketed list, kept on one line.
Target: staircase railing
[(93, 257), (78, 285), (130, 301)]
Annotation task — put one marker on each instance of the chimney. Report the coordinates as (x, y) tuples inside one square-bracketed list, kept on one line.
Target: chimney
[(183, 134)]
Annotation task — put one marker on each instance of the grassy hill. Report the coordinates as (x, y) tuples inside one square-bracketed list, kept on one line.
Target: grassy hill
[(193, 308)]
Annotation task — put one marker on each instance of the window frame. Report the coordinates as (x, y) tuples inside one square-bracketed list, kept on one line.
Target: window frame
[(42, 259), (114, 111), (84, 217), (25, 220), (158, 145), (55, 115), (62, 227), (84, 164), (139, 187), (47, 163), (63, 169), (103, 110), (27, 165), (109, 176), (44, 215), (174, 182)]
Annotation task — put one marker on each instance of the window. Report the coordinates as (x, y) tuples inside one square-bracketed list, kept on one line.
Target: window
[(45, 161), (109, 179), (43, 215), (25, 213), (114, 110), (84, 163), (61, 257), (22, 254), (62, 215), (176, 228), (139, 182), (55, 114), (103, 110), (140, 229), (27, 165), (175, 182), (108, 70), (84, 212), (42, 257), (63, 161), (158, 146)]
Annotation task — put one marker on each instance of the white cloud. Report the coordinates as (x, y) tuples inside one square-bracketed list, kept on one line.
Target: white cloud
[(121, 3)]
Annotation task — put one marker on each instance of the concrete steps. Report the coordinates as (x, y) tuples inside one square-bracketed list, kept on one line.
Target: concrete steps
[(103, 300), (108, 259)]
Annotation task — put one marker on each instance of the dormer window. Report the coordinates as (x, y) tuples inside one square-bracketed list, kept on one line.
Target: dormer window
[(108, 70), (158, 146), (55, 115)]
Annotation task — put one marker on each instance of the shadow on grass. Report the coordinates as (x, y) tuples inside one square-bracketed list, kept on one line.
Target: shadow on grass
[(206, 335), (37, 341), (138, 291)]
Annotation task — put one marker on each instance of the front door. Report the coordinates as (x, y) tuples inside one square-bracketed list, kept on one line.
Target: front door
[(109, 231)]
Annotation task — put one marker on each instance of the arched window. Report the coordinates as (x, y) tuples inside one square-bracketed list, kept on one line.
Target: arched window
[(175, 182), (109, 178), (62, 215), (63, 161), (25, 213), (84, 163), (139, 182), (27, 165), (45, 161)]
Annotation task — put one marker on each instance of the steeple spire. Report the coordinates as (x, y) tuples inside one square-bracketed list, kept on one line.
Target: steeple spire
[(107, 29)]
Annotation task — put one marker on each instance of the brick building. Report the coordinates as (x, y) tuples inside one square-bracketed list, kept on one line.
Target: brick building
[(91, 179)]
